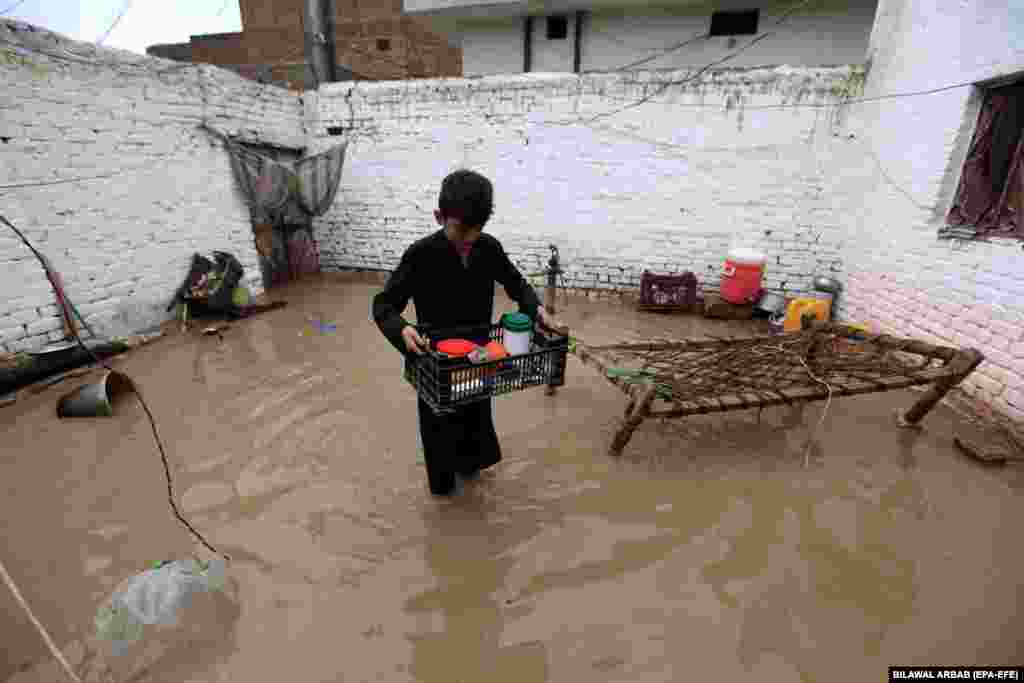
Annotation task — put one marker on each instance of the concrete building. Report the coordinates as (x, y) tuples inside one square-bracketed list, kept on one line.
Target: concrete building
[(374, 41), (574, 36)]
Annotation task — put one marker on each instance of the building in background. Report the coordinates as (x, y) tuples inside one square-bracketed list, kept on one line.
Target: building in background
[(595, 35), (374, 41)]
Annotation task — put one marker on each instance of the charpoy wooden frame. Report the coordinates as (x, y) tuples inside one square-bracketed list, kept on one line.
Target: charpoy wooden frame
[(958, 364)]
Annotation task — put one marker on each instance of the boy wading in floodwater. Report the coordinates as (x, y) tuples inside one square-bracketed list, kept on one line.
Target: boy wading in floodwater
[(450, 277)]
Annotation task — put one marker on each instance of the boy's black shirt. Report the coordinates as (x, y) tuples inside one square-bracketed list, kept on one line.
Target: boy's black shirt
[(445, 292)]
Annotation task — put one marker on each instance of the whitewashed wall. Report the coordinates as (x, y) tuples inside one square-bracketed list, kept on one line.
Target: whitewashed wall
[(832, 34), (900, 274), (492, 47), (667, 186), (122, 243)]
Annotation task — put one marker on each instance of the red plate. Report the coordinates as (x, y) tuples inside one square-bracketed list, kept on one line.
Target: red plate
[(456, 347)]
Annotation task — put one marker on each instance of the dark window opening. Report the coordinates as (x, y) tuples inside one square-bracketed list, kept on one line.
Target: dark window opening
[(335, 130), (383, 44), (734, 23), (558, 28), (990, 197)]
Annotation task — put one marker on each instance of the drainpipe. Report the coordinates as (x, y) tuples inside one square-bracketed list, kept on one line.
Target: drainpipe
[(577, 54), (527, 44)]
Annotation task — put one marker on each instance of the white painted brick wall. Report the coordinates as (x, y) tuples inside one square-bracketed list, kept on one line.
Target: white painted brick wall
[(122, 244), (668, 186), (900, 275)]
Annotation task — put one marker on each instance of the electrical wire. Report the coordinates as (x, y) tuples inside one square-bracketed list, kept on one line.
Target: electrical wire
[(13, 7), (45, 183), (663, 52), (881, 170), (700, 72), (135, 389), (117, 20)]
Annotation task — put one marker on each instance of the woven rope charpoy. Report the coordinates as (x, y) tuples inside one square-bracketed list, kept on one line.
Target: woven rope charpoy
[(712, 375)]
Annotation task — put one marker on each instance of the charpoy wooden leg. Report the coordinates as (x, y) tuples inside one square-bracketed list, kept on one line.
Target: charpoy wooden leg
[(629, 408), (639, 411), (964, 367), (549, 306)]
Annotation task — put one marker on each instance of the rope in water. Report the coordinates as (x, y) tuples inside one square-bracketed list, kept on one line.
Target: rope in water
[(57, 654)]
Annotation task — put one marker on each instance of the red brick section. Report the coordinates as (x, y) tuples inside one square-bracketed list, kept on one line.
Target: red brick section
[(374, 40), (274, 35)]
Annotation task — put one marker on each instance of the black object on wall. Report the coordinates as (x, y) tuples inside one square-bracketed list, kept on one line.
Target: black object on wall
[(527, 44), (734, 23), (558, 27), (577, 57)]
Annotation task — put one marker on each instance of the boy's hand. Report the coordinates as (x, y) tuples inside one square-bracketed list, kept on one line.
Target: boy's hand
[(413, 341), (547, 320)]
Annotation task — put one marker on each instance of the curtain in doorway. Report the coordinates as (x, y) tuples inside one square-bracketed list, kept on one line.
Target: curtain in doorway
[(990, 198), (303, 257), (264, 182)]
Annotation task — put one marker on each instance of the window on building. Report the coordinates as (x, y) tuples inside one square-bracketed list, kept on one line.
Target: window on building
[(990, 197), (383, 44), (558, 28), (734, 23)]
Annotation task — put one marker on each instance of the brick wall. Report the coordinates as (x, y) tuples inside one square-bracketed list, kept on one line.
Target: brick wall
[(413, 50), (669, 187), (122, 243), (900, 274), (271, 14), (273, 32), (219, 48)]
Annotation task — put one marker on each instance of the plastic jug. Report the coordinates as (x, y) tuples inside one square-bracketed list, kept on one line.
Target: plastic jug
[(742, 275), (517, 328)]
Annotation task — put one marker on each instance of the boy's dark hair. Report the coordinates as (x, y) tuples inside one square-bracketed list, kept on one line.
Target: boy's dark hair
[(467, 197)]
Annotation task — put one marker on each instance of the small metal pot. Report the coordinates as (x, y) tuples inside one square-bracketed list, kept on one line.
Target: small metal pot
[(828, 284), (772, 303)]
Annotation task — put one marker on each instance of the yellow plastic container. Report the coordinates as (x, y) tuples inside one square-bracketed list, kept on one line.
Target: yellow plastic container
[(820, 308)]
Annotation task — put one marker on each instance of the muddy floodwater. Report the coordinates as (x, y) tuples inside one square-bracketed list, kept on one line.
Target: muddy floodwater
[(707, 552)]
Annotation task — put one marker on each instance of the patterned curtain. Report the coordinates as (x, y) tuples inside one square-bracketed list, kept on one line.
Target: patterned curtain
[(990, 198), (268, 184), (264, 182)]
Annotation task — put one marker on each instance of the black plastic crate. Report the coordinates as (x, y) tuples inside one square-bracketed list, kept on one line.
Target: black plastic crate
[(447, 384)]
